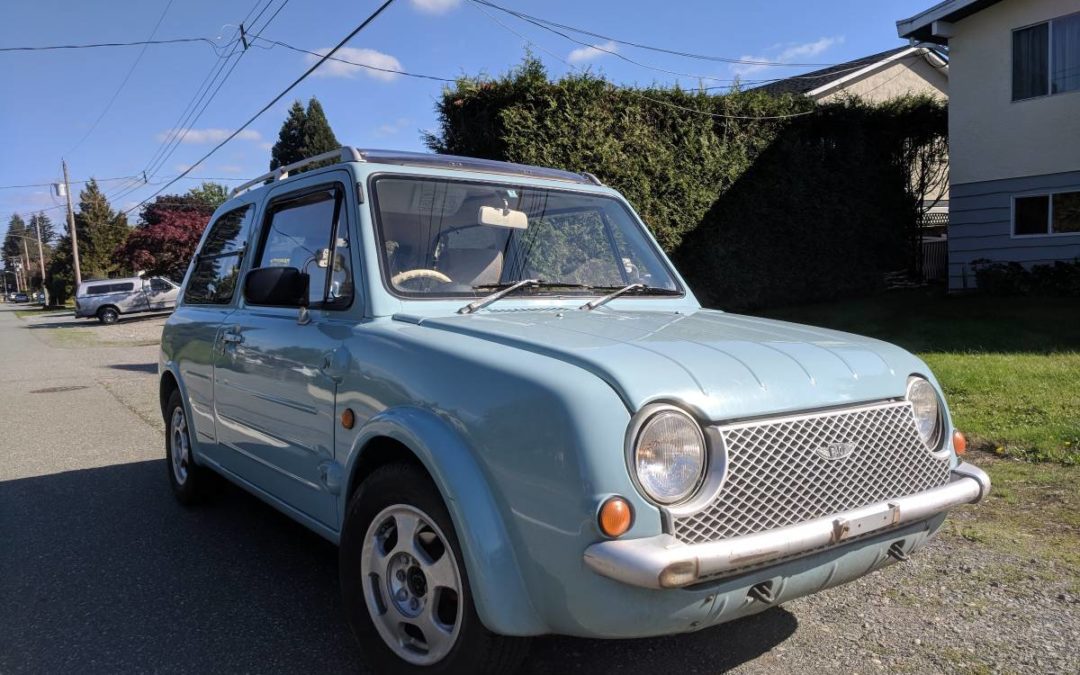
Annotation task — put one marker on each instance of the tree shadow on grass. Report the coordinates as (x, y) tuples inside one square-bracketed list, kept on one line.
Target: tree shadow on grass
[(102, 571)]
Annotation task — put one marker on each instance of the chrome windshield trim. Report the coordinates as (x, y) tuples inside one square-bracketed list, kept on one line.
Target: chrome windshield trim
[(662, 561)]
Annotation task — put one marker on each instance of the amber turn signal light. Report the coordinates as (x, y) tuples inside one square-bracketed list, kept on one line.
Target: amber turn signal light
[(959, 443), (348, 418), (616, 516)]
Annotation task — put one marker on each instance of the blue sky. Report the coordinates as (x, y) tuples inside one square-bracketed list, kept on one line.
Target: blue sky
[(51, 99)]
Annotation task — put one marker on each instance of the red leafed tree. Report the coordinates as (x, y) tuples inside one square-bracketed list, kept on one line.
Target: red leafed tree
[(168, 232)]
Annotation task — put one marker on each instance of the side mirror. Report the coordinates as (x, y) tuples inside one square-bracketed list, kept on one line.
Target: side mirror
[(276, 287)]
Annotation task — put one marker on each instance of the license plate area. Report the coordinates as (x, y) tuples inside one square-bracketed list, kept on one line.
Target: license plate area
[(847, 528)]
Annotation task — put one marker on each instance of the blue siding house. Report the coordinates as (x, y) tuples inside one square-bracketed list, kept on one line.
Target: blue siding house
[(1014, 128)]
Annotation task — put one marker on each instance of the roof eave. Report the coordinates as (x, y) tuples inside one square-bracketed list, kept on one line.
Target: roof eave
[(921, 27)]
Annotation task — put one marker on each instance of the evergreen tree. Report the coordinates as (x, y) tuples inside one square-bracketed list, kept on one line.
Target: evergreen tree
[(101, 231), (318, 136), (289, 146), (60, 273), (304, 133), (40, 221), (13, 242)]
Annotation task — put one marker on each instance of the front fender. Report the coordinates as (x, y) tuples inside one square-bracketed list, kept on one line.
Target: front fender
[(499, 592)]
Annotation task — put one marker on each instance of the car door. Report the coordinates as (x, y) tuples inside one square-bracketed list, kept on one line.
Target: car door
[(194, 329), (275, 385), (160, 294)]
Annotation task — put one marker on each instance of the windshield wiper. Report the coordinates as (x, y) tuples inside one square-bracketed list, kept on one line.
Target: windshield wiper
[(640, 288), (488, 299)]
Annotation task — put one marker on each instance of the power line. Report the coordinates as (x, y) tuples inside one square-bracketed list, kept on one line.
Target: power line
[(136, 43), (638, 93), (123, 82), (97, 180), (395, 71), (192, 111), (286, 90), (547, 24)]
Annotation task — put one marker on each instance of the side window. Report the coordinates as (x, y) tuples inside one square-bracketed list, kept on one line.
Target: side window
[(97, 290), (159, 285), (123, 288), (309, 233), (218, 264)]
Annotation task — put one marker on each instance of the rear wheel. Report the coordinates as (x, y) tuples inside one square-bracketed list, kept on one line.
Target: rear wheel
[(405, 588), (108, 315), (188, 480)]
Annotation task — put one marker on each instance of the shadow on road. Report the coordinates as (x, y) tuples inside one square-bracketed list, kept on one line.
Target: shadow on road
[(71, 322), (102, 571), (136, 367)]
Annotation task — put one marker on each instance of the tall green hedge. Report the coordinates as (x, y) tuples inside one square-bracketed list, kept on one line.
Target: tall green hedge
[(754, 212)]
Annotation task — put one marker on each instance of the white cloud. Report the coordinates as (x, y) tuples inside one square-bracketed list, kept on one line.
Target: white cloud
[(366, 57), (582, 54), (181, 168), (267, 145), (392, 128), (200, 136), (789, 53), (231, 168), (435, 6)]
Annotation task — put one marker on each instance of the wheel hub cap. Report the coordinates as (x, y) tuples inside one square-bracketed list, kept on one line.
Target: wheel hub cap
[(412, 585)]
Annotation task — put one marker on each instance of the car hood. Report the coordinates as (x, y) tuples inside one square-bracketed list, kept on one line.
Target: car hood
[(726, 366)]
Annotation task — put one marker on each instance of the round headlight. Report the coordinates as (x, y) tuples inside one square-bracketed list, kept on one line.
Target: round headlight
[(669, 457), (927, 411)]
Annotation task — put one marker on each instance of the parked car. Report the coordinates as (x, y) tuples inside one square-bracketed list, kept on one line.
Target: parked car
[(107, 299), (21, 297), (487, 384)]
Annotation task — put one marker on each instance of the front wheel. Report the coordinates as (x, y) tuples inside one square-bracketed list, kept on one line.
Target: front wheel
[(404, 584)]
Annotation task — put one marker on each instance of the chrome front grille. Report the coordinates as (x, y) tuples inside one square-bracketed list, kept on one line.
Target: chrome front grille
[(779, 473)]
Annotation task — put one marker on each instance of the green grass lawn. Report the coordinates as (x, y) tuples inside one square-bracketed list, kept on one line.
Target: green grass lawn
[(1010, 367)]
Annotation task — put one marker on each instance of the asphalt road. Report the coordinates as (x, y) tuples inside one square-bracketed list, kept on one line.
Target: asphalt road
[(102, 571)]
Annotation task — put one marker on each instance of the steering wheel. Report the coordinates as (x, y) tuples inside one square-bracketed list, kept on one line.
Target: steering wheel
[(402, 277)]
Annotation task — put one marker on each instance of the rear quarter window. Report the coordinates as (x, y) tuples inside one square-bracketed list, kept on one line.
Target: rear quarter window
[(217, 266)]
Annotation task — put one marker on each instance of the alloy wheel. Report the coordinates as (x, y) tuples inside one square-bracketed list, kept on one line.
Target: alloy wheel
[(412, 584)]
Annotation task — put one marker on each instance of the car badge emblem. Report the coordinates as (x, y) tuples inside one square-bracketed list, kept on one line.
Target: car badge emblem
[(835, 450)]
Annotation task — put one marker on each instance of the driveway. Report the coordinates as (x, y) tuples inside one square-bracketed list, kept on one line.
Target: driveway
[(102, 571)]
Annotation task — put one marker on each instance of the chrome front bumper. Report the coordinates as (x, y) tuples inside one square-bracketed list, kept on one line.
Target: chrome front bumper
[(665, 562)]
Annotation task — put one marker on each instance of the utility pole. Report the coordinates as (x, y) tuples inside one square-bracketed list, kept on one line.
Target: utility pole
[(26, 252), (71, 226), (41, 262)]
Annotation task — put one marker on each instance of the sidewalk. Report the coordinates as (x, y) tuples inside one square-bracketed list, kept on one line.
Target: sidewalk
[(67, 409)]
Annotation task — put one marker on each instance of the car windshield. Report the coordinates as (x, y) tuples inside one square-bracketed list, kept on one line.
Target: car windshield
[(447, 238)]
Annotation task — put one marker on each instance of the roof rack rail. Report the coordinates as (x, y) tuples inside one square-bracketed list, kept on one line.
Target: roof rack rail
[(350, 154), (342, 154)]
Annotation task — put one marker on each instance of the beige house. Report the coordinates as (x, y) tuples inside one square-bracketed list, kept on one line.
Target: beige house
[(875, 78), (1014, 128)]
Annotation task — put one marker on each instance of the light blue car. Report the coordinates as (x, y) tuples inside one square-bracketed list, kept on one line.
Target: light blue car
[(488, 385)]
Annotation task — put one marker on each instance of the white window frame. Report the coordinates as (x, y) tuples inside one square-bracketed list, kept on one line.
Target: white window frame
[(1049, 194), (1049, 62)]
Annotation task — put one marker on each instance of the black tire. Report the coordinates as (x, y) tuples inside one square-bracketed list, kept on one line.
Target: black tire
[(108, 315), (191, 485), (477, 650)]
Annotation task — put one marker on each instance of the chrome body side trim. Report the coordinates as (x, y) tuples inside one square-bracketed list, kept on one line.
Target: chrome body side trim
[(662, 561)]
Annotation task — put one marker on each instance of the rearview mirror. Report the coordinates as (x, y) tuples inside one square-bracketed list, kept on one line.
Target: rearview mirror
[(276, 287), (505, 217)]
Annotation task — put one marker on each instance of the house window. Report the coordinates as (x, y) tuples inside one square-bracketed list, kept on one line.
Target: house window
[(1056, 213), (1046, 58)]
